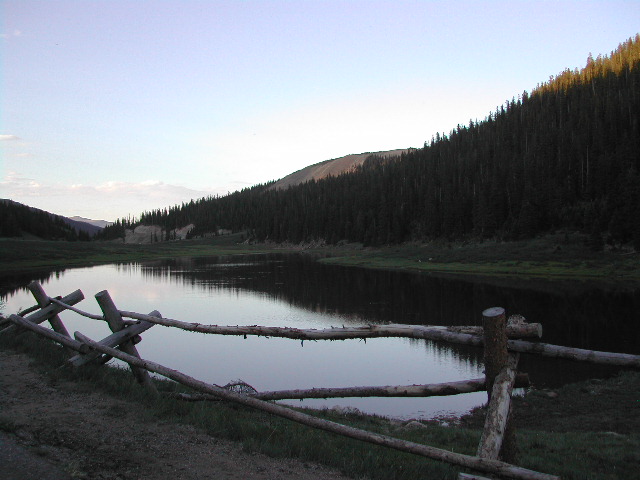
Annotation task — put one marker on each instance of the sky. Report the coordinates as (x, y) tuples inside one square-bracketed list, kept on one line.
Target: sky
[(109, 108)]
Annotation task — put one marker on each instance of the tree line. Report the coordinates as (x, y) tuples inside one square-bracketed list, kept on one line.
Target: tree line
[(565, 156), (16, 220)]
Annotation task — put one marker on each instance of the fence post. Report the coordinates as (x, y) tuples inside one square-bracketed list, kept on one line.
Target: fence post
[(116, 323), (130, 333), (494, 322), (43, 300), (497, 360)]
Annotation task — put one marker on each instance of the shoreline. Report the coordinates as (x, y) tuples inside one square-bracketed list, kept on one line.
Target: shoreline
[(553, 258)]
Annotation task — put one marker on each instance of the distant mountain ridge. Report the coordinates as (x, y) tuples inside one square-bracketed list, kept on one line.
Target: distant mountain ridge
[(19, 220), (83, 226), (97, 223), (333, 167)]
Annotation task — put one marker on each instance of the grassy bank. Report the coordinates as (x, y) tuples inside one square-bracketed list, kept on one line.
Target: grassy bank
[(558, 256), (29, 255), (552, 435), (553, 257)]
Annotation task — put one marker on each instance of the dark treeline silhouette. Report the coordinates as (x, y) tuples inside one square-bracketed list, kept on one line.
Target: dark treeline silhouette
[(566, 156), (16, 220), (116, 229)]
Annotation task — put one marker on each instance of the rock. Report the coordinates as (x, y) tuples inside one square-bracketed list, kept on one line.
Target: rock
[(414, 425), (143, 234)]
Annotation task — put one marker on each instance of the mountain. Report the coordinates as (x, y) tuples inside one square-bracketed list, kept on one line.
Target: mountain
[(82, 226), (565, 157), (18, 220), (334, 167), (97, 223)]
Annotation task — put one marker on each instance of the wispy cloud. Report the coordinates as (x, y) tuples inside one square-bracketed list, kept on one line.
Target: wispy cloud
[(13, 34), (14, 147), (108, 200), (17, 183), (8, 138)]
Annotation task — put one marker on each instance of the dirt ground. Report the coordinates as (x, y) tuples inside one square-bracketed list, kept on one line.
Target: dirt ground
[(53, 432)]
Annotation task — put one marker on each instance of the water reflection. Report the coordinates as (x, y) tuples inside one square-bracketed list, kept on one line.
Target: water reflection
[(579, 317), (295, 290), (11, 282), (572, 314), (363, 295)]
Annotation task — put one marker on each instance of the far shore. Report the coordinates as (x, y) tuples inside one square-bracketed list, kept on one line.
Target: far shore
[(557, 257)]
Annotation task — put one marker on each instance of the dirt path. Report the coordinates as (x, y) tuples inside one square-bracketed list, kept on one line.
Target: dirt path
[(55, 432)]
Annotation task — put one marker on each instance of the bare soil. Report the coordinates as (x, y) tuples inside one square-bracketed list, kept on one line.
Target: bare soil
[(52, 431)]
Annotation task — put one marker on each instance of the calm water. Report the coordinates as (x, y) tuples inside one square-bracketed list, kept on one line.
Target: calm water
[(295, 291)]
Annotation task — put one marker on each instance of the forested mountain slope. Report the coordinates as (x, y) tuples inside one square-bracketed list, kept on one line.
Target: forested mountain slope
[(18, 220), (565, 156)]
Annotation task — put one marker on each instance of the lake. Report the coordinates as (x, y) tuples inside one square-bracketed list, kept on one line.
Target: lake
[(294, 290)]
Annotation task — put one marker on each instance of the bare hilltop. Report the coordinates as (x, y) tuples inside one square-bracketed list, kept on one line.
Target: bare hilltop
[(333, 167)]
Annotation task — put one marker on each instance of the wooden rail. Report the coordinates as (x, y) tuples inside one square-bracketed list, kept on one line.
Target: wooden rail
[(426, 332), (497, 337)]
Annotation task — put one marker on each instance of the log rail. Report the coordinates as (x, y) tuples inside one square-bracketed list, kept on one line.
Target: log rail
[(425, 332), (501, 341)]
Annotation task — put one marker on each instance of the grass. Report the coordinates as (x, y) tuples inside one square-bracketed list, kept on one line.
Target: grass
[(29, 255), (554, 257), (7, 424), (553, 434)]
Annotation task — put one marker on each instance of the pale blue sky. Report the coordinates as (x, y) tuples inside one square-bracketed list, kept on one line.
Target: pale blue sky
[(112, 107)]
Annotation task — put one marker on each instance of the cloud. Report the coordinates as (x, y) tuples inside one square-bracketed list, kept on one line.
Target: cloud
[(14, 147), (108, 200), (144, 189), (8, 138), (16, 182), (14, 34)]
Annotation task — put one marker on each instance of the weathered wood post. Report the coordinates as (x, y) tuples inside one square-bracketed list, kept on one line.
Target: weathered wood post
[(116, 323), (131, 333), (494, 323), (498, 436), (43, 300), (44, 314)]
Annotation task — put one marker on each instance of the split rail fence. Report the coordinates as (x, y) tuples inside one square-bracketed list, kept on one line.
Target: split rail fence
[(502, 342)]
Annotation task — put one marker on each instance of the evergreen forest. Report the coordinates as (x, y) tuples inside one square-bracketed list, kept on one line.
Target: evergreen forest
[(18, 220), (564, 157)]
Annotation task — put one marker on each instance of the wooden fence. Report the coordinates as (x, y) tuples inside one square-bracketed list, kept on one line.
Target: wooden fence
[(502, 342)]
